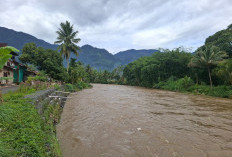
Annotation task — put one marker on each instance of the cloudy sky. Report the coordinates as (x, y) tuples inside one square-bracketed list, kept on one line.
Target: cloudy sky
[(121, 24)]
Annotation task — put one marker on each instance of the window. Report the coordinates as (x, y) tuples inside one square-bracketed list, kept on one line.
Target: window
[(5, 74)]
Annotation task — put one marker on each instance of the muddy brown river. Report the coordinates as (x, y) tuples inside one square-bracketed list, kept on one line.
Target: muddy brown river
[(124, 121)]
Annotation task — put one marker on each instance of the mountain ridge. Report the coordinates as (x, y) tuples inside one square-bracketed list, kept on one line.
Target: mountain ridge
[(98, 58)]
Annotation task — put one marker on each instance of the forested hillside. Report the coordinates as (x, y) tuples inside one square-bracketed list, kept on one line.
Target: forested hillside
[(98, 58)]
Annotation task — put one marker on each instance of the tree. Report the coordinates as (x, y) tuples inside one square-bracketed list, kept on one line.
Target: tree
[(224, 71), (207, 57), (147, 71), (67, 40), (90, 73), (222, 39), (76, 71), (48, 60)]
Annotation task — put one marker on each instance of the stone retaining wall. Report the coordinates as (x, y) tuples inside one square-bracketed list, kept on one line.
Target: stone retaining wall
[(41, 98)]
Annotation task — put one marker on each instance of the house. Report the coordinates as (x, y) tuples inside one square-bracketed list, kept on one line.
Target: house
[(13, 71)]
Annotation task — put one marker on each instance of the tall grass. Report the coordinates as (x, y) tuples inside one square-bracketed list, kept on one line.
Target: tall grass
[(23, 131), (186, 84)]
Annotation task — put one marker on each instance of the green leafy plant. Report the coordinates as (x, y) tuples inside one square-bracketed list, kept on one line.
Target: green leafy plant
[(224, 71), (5, 54)]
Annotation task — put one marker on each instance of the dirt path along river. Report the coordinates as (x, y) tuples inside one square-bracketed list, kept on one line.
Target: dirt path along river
[(124, 121)]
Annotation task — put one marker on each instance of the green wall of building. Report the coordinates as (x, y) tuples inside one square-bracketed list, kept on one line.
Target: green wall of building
[(18, 73)]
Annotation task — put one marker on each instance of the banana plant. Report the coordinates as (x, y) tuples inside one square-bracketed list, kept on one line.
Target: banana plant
[(4, 56)]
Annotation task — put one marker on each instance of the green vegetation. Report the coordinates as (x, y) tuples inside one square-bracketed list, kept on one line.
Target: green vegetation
[(186, 84), (76, 87), (175, 69), (224, 71), (41, 76), (5, 54), (222, 39), (207, 57), (66, 37), (169, 70), (105, 77), (47, 60), (160, 66), (23, 131)]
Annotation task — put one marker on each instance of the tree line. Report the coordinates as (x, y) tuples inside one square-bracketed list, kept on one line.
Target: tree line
[(208, 70)]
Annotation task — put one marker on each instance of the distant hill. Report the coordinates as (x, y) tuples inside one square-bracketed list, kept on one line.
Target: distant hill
[(96, 57), (18, 39), (131, 55)]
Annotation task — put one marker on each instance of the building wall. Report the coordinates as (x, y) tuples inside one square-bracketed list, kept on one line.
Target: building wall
[(19, 74), (9, 73)]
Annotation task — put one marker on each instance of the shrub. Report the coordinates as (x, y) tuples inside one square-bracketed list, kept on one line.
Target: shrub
[(75, 87), (182, 84), (81, 85), (69, 88), (41, 76), (186, 84), (57, 87)]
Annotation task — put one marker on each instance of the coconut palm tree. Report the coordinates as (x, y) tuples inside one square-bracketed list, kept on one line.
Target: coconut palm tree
[(67, 40), (207, 57)]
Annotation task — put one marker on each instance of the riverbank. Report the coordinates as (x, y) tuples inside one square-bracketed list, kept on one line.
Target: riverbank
[(28, 125), (182, 86), (186, 85), (24, 132)]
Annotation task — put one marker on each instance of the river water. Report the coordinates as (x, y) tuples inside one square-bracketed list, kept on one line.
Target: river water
[(124, 121)]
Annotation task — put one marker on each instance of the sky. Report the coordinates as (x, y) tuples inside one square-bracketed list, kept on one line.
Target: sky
[(117, 25)]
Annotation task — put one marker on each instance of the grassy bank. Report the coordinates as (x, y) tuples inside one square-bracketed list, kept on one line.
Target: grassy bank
[(23, 132), (186, 85)]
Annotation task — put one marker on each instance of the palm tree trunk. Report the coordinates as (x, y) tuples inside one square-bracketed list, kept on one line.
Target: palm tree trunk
[(67, 64), (210, 79)]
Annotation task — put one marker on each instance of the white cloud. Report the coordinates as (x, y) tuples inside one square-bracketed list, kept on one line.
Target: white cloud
[(122, 24)]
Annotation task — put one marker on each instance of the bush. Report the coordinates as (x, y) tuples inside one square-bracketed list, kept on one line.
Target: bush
[(182, 84), (57, 87), (218, 91), (81, 85), (41, 76), (76, 87), (186, 84), (69, 88)]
